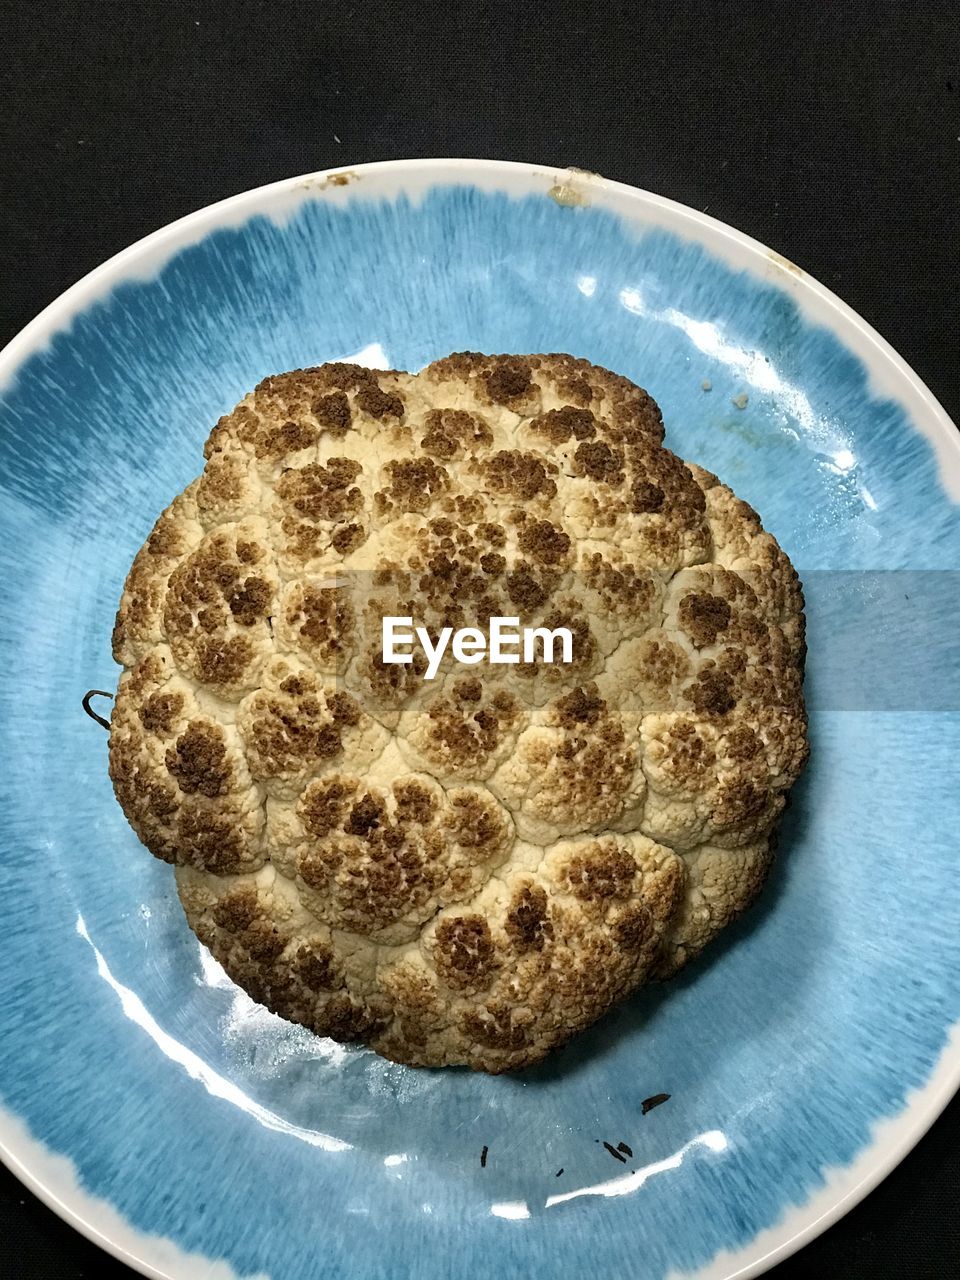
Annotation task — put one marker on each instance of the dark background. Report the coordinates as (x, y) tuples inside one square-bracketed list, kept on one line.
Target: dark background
[(832, 136)]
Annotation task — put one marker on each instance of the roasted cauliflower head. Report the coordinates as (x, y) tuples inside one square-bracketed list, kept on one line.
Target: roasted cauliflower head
[(471, 868)]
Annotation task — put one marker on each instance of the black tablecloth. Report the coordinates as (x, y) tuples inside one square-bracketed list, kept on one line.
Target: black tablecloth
[(831, 134)]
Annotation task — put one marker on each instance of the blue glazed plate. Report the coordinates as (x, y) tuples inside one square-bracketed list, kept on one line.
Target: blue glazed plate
[(195, 1135)]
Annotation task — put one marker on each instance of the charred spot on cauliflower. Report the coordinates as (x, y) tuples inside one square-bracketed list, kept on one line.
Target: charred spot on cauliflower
[(466, 870)]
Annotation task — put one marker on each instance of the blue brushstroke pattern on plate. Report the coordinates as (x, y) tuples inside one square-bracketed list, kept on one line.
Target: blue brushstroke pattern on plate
[(201, 1117)]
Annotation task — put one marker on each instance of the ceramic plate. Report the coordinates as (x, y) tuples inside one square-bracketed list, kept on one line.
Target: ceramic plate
[(195, 1135)]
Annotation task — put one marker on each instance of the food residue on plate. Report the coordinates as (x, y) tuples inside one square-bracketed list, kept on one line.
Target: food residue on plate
[(617, 1154), (96, 693), (331, 180), (567, 194)]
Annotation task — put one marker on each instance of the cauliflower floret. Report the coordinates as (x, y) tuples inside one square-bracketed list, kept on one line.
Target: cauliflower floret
[(467, 869)]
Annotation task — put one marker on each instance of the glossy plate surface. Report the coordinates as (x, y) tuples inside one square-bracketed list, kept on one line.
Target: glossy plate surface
[(197, 1136)]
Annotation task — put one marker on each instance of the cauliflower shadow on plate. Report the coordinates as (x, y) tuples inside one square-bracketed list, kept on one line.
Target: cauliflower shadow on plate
[(640, 1011)]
